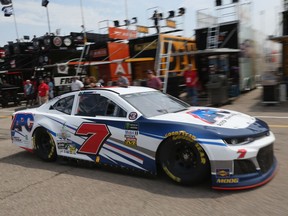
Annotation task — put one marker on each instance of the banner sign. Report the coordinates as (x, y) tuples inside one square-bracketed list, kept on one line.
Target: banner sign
[(122, 34)]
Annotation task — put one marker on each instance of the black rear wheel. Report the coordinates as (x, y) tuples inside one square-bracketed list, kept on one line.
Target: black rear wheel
[(44, 145), (184, 160)]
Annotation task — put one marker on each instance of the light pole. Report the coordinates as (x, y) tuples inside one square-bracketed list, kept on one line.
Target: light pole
[(45, 4), (15, 23), (126, 14), (85, 38), (48, 20)]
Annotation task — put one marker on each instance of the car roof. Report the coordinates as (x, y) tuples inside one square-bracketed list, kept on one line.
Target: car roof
[(123, 90)]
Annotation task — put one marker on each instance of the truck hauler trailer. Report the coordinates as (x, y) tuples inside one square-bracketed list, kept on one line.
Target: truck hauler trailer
[(228, 45), (169, 55), (166, 54)]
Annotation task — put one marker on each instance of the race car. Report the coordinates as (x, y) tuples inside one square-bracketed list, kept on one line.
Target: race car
[(142, 129)]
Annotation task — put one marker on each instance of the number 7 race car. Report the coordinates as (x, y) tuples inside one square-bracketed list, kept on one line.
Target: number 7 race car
[(143, 129)]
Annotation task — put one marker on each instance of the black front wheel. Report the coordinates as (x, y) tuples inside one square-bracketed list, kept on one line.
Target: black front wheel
[(184, 160), (44, 145)]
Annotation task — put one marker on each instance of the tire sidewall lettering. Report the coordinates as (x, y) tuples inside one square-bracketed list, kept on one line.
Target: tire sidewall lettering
[(183, 135)]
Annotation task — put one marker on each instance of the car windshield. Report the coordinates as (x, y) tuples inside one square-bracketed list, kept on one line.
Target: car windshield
[(155, 103)]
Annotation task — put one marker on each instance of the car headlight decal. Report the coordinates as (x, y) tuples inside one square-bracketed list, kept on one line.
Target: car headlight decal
[(239, 141)]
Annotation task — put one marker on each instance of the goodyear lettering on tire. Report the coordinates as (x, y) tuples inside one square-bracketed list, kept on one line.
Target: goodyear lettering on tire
[(176, 135), (183, 135)]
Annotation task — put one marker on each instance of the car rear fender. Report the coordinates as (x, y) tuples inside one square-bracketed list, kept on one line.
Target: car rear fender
[(53, 125)]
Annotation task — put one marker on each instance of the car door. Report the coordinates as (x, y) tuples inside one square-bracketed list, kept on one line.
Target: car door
[(96, 119)]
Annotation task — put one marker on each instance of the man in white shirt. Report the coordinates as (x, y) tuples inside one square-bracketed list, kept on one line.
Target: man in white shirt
[(76, 84)]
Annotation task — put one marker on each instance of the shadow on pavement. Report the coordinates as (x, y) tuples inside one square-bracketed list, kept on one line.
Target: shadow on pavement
[(157, 185)]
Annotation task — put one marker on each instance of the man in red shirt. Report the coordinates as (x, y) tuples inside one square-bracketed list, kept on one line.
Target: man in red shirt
[(43, 92), (153, 81), (191, 79)]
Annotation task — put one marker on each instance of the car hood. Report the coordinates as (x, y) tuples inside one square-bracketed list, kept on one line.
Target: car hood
[(207, 116)]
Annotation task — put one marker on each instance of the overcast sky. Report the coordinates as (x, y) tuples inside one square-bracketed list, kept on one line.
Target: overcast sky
[(31, 17)]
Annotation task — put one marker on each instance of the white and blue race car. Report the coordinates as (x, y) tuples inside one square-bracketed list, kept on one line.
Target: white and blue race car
[(143, 129)]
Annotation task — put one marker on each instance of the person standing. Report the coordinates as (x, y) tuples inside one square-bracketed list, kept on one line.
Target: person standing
[(122, 80), (28, 92), (93, 81), (153, 81), (156, 17), (51, 87), (76, 84), (43, 92), (191, 79)]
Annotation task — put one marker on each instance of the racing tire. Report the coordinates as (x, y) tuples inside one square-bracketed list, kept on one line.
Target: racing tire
[(183, 160), (44, 145)]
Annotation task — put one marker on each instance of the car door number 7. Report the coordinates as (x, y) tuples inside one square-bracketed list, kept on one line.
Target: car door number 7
[(96, 133)]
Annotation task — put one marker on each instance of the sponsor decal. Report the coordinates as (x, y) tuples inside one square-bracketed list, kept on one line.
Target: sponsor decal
[(131, 126), (98, 53), (133, 115), (63, 134), (131, 137), (16, 139), (63, 144), (67, 41), (72, 149), (57, 41), (131, 141), (23, 120), (130, 133), (124, 34), (66, 80), (66, 147), (222, 173), (227, 180)]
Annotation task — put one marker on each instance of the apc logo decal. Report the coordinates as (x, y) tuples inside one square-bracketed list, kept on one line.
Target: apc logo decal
[(21, 121)]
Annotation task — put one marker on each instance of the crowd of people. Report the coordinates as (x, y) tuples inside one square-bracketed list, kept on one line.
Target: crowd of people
[(38, 92)]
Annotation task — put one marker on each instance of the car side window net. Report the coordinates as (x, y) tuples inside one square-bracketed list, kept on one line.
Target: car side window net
[(96, 105)]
